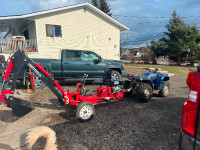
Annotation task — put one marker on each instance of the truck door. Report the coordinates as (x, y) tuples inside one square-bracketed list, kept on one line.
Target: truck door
[(72, 64), (94, 65)]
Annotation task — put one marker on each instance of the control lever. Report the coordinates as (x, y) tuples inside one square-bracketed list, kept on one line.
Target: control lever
[(83, 90)]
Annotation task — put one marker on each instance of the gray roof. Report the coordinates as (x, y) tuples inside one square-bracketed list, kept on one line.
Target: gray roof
[(88, 5)]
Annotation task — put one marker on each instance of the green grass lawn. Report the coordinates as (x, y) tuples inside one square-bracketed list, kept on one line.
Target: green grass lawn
[(177, 70)]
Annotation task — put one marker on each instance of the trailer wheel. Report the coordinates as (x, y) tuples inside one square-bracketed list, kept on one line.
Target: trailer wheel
[(85, 111), (166, 90), (145, 92)]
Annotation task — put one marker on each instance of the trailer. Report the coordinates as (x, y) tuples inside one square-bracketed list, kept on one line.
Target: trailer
[(84, 105)]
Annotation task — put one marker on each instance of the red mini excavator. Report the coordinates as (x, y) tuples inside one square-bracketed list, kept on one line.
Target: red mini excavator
[(84, 104)]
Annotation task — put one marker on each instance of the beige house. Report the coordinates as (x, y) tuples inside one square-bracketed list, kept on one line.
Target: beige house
[(80, 26)]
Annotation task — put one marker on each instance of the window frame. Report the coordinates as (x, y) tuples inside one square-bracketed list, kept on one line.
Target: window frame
[(53, 30)]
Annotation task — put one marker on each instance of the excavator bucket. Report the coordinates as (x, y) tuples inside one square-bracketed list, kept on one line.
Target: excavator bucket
[(21, 107)]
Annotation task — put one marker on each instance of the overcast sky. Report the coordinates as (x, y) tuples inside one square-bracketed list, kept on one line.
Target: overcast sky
[(145, 18)]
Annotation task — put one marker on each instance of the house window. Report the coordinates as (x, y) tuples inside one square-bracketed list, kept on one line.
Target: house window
[(53, 30)]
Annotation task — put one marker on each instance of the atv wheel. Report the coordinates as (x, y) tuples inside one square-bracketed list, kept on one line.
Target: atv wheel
[(85, 111), (145, 92), (166, 90)]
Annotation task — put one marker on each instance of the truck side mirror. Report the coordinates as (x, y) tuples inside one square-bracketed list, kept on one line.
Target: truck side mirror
[(99, 59), (96, 61)]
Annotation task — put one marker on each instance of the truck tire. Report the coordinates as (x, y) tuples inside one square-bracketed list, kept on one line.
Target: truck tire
[(145, 92), (85, 111), (115, 75), (38, 82), (166, 90)]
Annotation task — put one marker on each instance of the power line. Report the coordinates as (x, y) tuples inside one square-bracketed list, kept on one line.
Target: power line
[(147, 34), (146, 37), (138, 41), (155, 17)]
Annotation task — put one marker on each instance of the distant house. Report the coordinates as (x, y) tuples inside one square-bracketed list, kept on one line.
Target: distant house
[(137, 54), (80, 26)]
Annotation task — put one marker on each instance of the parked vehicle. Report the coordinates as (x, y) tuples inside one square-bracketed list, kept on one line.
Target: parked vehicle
[(75, 63), (145, 84), (190, 134)]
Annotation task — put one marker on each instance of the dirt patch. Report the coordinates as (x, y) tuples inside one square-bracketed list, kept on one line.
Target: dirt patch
[(129, 124), (134, 71)]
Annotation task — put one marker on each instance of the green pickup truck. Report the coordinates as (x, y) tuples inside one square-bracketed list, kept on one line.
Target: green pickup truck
[(75, 63)]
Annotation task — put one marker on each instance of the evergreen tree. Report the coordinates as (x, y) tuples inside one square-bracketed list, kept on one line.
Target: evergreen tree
[(183, 40), (177, 30), (95, 3), (103, 6)]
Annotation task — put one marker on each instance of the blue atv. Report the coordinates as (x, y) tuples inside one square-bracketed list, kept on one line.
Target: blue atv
[(144, 85)]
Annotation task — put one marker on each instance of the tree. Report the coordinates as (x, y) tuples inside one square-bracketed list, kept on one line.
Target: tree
[(95, 3), (182, 41), (177, 32), (103, 6), (159, 48)]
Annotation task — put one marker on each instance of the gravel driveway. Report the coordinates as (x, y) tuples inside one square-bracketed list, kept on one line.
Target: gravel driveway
[(129, 124)]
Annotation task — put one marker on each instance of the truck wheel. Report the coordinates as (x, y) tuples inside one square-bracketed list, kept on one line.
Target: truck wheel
[(166, 90), (85, 111), (145, 92), (115, 75), (38, 82)]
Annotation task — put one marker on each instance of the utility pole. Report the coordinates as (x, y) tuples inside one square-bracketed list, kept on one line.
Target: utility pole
[(127, 43)]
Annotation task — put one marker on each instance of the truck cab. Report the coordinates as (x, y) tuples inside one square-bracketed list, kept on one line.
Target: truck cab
[(73, 64), (76, 63)]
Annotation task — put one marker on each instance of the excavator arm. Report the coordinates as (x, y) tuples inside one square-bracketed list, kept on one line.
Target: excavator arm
[(18, 60)]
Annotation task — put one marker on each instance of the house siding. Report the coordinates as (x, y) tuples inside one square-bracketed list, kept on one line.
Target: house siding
[(80, 30)]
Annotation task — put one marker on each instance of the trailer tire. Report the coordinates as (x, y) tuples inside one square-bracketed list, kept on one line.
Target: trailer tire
[(145, 92), (85, 111), (166, 90)]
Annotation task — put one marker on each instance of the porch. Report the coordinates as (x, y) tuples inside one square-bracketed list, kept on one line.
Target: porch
[(10, 32), (10, 46)]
